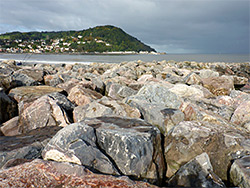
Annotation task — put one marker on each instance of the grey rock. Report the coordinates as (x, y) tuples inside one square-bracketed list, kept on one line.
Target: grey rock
[(117, 91), (197, 173), (157, 94), (173, 78), (111, 145), (76, 143), (240, 172)]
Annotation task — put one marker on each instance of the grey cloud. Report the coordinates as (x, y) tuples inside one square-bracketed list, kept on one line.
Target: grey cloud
[(177, 26)]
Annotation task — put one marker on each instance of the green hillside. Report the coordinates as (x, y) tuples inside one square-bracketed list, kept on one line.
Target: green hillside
[(97, 39)]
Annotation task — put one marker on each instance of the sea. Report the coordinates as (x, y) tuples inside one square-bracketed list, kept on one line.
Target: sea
[(86, 59)]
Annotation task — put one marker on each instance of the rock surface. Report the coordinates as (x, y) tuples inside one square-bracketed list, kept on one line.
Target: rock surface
[(97, 143), (189, 139), (240, 172), (197, 173), (25, 146), (39, 173)]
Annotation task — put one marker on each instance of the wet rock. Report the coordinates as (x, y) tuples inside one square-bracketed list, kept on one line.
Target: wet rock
[(10, 128), (117, 91), (218, 85), (240, 172), (39, 173), (8, 108), (25, 146), (82, 96), (32, 92), (112, 145), (189, 139), (43, 112), (104, 107), (196, 173)]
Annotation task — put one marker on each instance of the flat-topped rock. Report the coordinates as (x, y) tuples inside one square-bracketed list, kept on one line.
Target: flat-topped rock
[(29, 92)]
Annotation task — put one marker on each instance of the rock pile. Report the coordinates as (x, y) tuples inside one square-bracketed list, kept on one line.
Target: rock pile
[(133, 124)]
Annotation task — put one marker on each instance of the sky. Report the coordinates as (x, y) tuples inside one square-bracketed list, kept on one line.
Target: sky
[(172, 26)]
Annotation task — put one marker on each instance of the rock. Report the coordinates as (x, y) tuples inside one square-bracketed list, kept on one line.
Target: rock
[(241, 115), (192, 79), (76, 143), (189, 139), (104, 107), (10, 128), (173, 78), (32, 92), (218, 85), (145, 78), (111, 145), (82, 96), (25, 146), (8, 108), (207, 73), (157, 94), (185, 91), (53, 80), (39, 173), (67, 86), (196, 173), (117, 91), (44, 111), (240, 172), (160, 116), (240, 80)]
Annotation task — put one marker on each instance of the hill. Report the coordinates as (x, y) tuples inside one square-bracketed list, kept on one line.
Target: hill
[(98, 39)]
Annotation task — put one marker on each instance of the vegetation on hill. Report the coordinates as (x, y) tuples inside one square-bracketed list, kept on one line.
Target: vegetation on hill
[(98, 39)]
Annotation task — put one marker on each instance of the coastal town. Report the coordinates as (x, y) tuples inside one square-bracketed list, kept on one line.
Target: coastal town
[(56, 46)]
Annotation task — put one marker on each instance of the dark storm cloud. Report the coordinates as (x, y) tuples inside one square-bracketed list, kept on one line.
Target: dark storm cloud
[(175, 26)]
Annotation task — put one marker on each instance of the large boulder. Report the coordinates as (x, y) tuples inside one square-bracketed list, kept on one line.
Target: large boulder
[(8, 108), (104, 107), (240, 172), (39, 173), (197, 173), (25, 146), (219, 85), (190, 138), (111, 145)]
